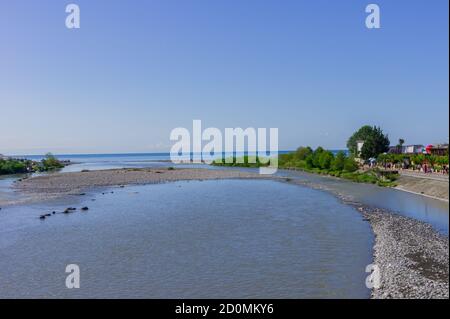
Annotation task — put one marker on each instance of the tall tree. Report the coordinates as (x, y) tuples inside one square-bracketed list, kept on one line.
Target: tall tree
[(339, 161), (400, 145), (375, 142), (302, 152)]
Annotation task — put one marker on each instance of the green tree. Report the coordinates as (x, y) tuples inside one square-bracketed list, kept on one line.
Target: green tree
[(418, 159), (302, 152), (350, 165), (12, 167), (400, 145), (325, 159), (375, 142), (339, 161), (316, 156), (310, 161), (51, 162), (361, 134)]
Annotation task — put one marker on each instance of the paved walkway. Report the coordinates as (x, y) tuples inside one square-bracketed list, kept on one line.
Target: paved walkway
[(433, 176)]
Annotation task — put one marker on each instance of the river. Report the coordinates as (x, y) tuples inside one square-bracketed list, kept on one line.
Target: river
[(210, 239)]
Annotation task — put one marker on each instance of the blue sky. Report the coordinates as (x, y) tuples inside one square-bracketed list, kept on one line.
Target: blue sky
[(137, 69)]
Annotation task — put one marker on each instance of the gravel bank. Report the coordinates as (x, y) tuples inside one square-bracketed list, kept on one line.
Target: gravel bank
[(412, 256), (60, 184)]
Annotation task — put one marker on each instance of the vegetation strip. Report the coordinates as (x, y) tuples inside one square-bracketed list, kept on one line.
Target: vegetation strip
[(23, 166)]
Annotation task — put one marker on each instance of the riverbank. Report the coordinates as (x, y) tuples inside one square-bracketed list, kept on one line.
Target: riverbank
[(76, 183), (437, 189), (10, 166), (343, 167), (340, 166), (433, 188), (412, 256)]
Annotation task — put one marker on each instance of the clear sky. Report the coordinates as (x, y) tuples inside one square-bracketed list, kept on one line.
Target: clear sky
[(137, 69)]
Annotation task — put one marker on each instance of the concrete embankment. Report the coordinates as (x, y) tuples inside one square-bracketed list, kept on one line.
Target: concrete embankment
[(434, 188)]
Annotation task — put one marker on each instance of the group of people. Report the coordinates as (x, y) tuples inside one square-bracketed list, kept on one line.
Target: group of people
[(423, 168), (428, 169)]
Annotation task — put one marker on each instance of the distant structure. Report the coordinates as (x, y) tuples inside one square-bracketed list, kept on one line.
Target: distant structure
[(438, 149), (3, 157), (432, 149), (407, 149), (413, 149), (359, 146)]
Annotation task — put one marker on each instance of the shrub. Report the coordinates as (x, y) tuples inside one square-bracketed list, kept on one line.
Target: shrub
[(326, 158), (339, 161), (302, 152), (350, 165), (12, 167)]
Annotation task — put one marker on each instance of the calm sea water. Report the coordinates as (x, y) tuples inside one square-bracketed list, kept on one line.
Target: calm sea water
[(114, 161), (212, 239)]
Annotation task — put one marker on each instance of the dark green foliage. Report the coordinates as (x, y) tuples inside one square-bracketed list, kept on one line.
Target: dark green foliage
[(49, 163), (20, 166), (375, 142), (316, 156), (339, 162), (310, 161), (319, 161), (414, 159), (244, 161), (350, 165), (302, 153), (12, 167), (326, 159)]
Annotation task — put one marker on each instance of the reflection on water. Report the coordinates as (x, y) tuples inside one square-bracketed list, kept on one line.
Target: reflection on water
[(432, 211), (7, 193), (229, 238), (429, 210)]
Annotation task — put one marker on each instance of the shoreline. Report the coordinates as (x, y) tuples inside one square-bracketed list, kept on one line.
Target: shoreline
[(421, 194), (431, 188), (56, 185), (411, 255)]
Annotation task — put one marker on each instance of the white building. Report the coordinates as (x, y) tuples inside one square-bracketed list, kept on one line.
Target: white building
[(413, 149), (359, 146)]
